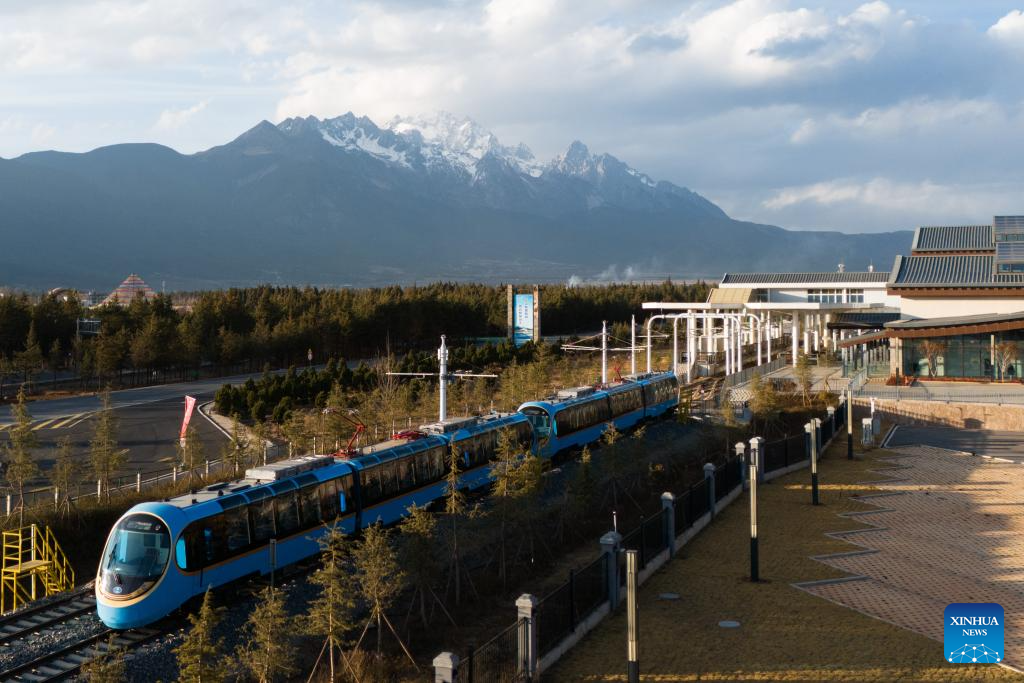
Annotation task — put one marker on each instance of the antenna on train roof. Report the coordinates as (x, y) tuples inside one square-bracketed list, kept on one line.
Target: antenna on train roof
[(443, 377)]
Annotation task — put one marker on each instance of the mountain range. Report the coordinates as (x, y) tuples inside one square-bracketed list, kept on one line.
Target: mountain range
[(343, 201)]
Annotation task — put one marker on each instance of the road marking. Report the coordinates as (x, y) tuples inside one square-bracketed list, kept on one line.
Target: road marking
[(80, 420), (44, 423), (67, 422)]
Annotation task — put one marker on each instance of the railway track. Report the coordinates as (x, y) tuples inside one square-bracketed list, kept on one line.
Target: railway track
[(68, 661), (33, 620)]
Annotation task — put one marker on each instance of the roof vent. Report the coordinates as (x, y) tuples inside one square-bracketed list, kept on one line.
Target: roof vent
[(842, 267), (871, 267)]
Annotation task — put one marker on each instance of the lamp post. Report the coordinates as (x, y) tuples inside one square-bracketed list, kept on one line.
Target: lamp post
[(754, 574)]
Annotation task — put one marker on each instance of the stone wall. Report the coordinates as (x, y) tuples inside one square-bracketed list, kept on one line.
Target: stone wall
[(963, 415)]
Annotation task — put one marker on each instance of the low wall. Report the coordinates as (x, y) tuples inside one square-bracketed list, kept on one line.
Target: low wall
[(1000, 417)]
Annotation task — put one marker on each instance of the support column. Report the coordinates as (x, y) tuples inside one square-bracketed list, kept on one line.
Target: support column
[(769, 322), (691, 355), (526, 605), (795, 331), (727, 345), (675, 346), (610, 544), (446, 667), (739, 345), (668, 506)]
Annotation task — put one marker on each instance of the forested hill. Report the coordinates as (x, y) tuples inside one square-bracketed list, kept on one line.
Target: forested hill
[(250, 327)]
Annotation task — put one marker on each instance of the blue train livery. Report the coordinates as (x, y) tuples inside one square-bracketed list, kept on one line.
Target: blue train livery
[(574, 417), (161, 554)]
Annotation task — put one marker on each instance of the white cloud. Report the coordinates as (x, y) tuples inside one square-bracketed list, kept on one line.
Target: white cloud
[(923, 198), (1009, 28), (172, 119)]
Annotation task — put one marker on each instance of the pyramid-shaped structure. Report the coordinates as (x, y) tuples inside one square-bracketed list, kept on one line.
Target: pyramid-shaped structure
[(126, 292)]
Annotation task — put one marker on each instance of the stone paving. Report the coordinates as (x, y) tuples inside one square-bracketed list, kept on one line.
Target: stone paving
[(950, 530)]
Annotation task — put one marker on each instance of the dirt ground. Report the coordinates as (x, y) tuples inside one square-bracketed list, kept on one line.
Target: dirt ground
[(785, 634)]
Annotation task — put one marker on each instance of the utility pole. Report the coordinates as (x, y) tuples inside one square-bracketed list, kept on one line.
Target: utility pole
[(604, 352), (632, 345)]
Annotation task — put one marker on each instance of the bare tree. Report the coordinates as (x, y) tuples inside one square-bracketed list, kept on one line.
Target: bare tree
[(932, 349), (20, 468), (1007, 354)]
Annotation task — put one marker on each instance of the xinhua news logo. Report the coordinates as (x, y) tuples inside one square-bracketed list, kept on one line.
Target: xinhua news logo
[(973, 633)]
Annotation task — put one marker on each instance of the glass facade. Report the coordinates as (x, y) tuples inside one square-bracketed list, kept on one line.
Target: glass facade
[(970, 356)]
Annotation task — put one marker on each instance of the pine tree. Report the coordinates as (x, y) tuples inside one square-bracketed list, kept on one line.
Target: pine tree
[(199, 655), (268, 649), (20, 467), (108, 667), (454, 507), (104, 455), (236, 451), (378, 574), (66, 471), (190, 452), (330, 613), (804, 377), (419, 553)]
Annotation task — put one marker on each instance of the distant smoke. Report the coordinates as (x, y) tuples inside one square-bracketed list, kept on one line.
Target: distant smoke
[(607, 276)]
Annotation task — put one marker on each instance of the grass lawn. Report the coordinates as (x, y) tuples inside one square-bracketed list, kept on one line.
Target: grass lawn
[(785, 633)]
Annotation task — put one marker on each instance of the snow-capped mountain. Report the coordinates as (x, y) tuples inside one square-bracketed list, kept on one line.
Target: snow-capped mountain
[(461, 159)]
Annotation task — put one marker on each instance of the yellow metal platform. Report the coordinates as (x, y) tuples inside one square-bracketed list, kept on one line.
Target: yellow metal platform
[(33, 566)]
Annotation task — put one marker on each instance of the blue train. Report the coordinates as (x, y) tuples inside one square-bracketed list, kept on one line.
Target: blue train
[(161, 554)]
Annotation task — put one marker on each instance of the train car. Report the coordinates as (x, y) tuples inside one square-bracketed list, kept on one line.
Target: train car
[(575, 417), (161, 554)]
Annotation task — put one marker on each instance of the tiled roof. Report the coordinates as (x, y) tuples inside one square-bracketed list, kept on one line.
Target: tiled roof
[(953, 238), (126, 292), (979, 319), (862, 319), (950, 271), (803, 278)]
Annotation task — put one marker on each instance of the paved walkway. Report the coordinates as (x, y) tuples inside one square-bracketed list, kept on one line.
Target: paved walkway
[(994, 444), (950, 528)]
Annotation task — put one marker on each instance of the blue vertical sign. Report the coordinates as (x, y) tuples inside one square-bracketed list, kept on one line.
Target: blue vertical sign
[(522, 319)]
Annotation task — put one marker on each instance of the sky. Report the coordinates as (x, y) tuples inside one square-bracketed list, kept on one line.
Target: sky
[(858, 116)]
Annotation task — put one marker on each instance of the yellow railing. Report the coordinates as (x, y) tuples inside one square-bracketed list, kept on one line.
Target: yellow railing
[(32, 560)]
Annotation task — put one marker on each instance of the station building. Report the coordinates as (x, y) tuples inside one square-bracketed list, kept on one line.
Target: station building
[(956, 302), (961, 302)]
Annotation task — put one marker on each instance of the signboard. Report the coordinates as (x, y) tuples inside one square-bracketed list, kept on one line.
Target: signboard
[(522, 319)]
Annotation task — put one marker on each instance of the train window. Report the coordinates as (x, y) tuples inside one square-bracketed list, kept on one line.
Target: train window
[(236, 530), (262, 520), (328, 500), (346, 493), (309, 506), (406, 474), (212, 537), (370, 479), (430, 465), (136, 555), (388, 479), (287, 513)]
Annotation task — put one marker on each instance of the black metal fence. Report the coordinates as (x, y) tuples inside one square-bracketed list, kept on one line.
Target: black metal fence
[(561, 610), (501, 659)]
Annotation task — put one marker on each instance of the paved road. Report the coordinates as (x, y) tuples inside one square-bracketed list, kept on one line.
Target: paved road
[(1009, 445)]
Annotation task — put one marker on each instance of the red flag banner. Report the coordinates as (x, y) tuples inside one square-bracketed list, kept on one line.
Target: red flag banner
[(190, 404)]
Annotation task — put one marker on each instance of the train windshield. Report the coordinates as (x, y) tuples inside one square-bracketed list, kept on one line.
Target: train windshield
[(136, 555), (540, 420)]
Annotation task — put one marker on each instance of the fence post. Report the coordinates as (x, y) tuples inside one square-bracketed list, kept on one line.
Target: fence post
[(446, 667), (610, 544), (849, 421), (526, 604), (709, 478), (668, 507), (207, 467), (817, 434), (99, 489), (811, 431), (832, 418), (756, 458), (174, 474), (741, 453), (8, 505), (138, 482), (56, 498)]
